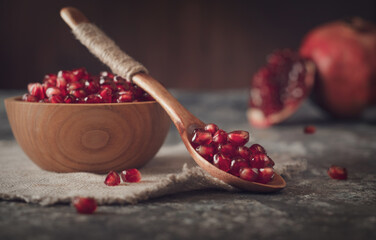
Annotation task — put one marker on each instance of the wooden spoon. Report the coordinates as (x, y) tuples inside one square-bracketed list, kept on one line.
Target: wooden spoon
[(184, 121)]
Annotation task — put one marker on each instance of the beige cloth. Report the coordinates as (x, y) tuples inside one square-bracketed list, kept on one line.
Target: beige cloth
[(171, 171)]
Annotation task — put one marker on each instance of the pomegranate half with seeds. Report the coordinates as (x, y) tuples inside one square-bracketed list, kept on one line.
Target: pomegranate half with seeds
[(227, 151)]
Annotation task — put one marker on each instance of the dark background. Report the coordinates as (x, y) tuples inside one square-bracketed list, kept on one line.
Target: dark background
[(185, 44)]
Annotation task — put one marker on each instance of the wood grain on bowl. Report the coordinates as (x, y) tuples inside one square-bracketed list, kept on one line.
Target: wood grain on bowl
[(88, 137)]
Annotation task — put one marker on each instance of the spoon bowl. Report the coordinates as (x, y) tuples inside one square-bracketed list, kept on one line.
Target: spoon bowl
[(120, 63)]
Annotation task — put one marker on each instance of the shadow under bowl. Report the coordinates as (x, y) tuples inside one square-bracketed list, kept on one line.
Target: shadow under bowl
[(94, 138)]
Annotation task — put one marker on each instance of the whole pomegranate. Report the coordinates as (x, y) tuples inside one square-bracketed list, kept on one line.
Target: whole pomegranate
[(345, 56)]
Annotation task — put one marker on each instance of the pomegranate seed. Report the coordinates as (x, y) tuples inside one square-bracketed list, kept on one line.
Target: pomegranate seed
[(106, 95), (202, 137), (309, 129), (220, 137), (249, 174), (243, 152), (78, 93), (80, 73), (256, 148), (261, 160), (138, 92), (92, 86), (336, 172), (108, 84), (131, 175), (61, 83), (112, 179), (212, 128), (37, 90), (85, 205), (49, 80), (238, 138), (126, 96), (74, 86), (29, 98), (93, 98), (80, 100), (265, 175), (69, 99), (206, 151), (237, 164), (53, 91), (67, 75), (44, 100), (227, 149), (222, 162), (56, 99), (122, 87)]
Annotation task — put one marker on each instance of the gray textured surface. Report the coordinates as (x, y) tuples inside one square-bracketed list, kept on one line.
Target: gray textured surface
[(313, 206)]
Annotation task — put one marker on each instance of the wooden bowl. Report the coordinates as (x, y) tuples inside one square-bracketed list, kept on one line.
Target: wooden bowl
[(88, 137)]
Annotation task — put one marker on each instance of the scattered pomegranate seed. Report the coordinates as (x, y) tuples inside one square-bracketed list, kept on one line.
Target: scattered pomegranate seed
[(69, 99), (222, 162), (212, 128), (93, 98), (92, 86), (131, 175), (112, 179), (310, 129), (202, 137), (85, 205), (220, 137), (249, 174), (56, 99), (78, 93), (256, 148), (237, 164), (126, 96), (336, 172), (37, 90), (74, 86), (52, 91), (265, 175), (238, 138)]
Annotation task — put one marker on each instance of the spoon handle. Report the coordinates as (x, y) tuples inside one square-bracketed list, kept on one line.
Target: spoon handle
[(122, 64)]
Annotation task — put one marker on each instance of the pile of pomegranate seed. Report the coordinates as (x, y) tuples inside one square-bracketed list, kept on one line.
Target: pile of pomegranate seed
[(78, 86), (84, 205), (128, 175), (336, 172), (227, 151)]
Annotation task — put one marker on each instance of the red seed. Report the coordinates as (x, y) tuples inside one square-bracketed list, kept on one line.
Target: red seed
[(37, 90), (310, 129), (131, 175), (243, 152), (202, 137), (261, 160), (249, 174), (93, 98), (265, 175), (69, 99), (227, 149), (61, 83), (337, 172), (29, 98), (222, 162), (238, 138), (125, 96), (212, 128), (92, 86), (56, 99), (237, 164), (106, 95), (79, 74), (44, 100), (85, 205), (49, 80), (207, 151), (78, 93), (75, 85), (112, 179), (53, 91), (67, 75), (220, 137), (106, 74), (256, 148)]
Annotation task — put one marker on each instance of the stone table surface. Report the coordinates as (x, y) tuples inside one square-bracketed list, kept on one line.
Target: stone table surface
[(312, 206)]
